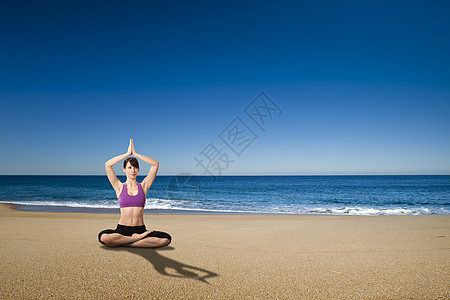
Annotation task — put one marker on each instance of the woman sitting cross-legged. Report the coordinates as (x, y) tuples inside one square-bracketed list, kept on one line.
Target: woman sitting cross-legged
[(131, 231)]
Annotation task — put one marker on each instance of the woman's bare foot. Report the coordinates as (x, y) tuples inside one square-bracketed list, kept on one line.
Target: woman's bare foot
[(140, 236)]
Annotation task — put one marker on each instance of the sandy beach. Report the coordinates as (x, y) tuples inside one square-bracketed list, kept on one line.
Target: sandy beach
[(57, 255)]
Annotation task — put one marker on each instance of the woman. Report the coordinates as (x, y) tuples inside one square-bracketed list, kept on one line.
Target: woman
[(131, 230)]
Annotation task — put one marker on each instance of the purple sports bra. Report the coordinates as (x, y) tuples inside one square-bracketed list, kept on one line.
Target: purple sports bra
[(126, 200)]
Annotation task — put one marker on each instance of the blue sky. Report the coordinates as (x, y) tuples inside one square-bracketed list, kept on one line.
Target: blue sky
[(363, 86)]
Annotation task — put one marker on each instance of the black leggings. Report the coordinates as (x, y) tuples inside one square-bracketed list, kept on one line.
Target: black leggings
[(129, 230)]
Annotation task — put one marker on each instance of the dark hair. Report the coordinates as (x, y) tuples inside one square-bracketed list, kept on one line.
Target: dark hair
[(133, 161)]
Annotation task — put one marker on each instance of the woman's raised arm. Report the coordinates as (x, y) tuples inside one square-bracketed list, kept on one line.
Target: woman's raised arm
[(110, 171), (148, 180), (118, 158)]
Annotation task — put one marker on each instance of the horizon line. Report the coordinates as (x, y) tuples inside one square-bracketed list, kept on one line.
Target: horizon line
[(305, 174)]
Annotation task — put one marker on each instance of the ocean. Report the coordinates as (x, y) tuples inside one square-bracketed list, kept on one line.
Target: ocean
[(317, 195)]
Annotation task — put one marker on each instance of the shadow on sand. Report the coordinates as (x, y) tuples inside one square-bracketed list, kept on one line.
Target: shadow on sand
[(163, 264)]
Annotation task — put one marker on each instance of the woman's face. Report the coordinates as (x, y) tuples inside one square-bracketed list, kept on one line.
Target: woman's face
[(131, 171)]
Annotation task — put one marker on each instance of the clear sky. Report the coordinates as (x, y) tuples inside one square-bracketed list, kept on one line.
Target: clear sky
[(362, 87)]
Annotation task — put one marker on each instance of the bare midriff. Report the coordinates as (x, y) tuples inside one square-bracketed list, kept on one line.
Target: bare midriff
[(131, 216)]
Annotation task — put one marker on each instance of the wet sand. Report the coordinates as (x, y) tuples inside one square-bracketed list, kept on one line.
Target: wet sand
[(57, 255)]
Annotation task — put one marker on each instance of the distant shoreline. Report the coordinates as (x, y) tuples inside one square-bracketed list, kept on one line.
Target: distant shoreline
[(161, 211), (90, 210)]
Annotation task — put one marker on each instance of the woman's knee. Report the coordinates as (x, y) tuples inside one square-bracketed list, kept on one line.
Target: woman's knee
[(107, 240), (164, 238), (104, 239), (164, 242), (104, 236)]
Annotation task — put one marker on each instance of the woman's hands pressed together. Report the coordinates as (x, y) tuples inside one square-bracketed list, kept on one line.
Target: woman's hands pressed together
[(131, 150)]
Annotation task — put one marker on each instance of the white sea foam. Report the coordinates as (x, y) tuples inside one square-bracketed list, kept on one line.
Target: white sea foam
[(365, 211), (189, 205), (63, 203), (164, 204)]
